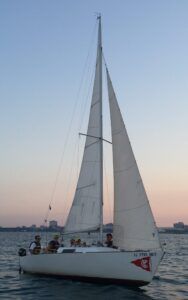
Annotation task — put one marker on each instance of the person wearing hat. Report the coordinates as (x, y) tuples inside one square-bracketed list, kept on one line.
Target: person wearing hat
[(54, 244), (35, 246)]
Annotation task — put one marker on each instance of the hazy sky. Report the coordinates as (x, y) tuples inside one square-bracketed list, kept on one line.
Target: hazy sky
[(47, 56)]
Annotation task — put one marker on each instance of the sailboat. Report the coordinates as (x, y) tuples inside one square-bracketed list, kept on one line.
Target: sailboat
[(136, 251)]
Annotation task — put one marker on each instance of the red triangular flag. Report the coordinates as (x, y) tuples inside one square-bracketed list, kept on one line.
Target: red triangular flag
[(144, 263)]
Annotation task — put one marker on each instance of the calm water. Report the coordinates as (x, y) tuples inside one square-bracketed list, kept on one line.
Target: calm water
[(171, 281)]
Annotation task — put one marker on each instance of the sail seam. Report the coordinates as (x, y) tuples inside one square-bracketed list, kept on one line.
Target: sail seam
[(87, 146), (95, 103), (128, 209), (124, 170), (117, 132), (92, 197), (91, 161), (85, 186), (93, 127)]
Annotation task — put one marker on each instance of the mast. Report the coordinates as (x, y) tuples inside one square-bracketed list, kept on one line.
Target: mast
[(99, 51)]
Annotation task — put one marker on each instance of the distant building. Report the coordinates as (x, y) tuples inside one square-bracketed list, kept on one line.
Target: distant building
[(33, 226), (53, 224), (42, 227), (179, 225)]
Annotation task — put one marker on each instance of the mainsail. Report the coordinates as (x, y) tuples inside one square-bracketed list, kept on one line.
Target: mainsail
[(86, 210), (134, 225)]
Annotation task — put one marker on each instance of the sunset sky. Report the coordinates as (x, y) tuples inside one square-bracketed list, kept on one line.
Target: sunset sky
[(47, 58)]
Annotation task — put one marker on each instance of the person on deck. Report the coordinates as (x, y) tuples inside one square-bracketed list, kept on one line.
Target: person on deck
[(54, 244), (78, 243), (109, 241), (72, 243), (35, 246)]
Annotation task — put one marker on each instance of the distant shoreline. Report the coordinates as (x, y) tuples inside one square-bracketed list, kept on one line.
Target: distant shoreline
[(60, 229), (174, 231), (37, 229)]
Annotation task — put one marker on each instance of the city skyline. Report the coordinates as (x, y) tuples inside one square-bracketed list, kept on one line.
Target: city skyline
[(53, 225), (46, 77)]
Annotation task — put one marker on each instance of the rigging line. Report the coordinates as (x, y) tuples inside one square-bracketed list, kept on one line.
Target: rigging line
[(66, 207), (69, 128), (89, 88), (86, 74), (91, 81), (105, 63), (92, 172), (86, 101), (78, 156), (81, 120), (91, 179)]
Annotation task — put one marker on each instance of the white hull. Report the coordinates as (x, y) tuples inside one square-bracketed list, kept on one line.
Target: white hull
[(95, 264)]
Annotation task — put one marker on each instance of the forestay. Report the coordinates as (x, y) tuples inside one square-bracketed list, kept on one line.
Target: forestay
[(85, 213), (134, 225)]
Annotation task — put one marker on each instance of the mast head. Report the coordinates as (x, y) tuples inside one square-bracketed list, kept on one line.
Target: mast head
[(98, 16)]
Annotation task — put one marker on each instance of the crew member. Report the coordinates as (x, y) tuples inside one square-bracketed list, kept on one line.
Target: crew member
[(54, 244), (109, 241), (35, 246)]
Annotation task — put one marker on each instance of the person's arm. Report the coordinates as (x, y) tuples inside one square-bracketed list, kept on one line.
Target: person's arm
[(32, 247)]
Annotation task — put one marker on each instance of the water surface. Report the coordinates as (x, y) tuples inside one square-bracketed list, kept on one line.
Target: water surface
[(170, 282)]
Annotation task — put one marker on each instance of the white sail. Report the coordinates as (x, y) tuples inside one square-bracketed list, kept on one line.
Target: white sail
[(134, 225), (86, 210)]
